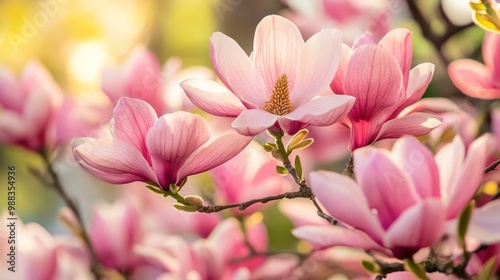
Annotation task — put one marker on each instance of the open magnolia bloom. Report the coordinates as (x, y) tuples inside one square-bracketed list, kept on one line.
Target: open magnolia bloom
[(379, 75), (476, 79), (161, 151), (277, 86), (401, 199)]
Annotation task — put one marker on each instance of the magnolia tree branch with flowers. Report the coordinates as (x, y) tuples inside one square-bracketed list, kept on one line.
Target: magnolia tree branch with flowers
[(417, 198)]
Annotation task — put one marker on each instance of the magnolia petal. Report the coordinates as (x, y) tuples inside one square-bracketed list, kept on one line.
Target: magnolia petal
[(142, 78), (415, 124), (419, 226), (348, 205), (172, 140), (472, 78), (491, 55), (212, 97), (236, 71), (418, 162), (366, 38), (469, 176), (374, 77), (337, 85), (253, 122), (271, 58), (114, 161), (12, 96), (132, 120), (449, 160), (420, 78), (329, 236), (319, 61), (386, 188), (213, 153), (398, 42), (484, 224), (431, 104), (321, 111)]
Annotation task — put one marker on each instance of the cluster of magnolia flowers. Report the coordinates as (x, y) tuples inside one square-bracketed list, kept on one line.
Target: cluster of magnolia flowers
[(407, 205)]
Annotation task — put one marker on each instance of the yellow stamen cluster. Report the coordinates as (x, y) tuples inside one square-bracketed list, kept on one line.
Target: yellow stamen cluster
[(280, 103)]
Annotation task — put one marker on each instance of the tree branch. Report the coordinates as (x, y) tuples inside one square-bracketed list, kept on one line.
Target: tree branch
[(492, 166), (96, 268)]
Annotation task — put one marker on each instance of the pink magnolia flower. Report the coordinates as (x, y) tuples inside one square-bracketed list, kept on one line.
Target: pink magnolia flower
[(142, 78), (476, 79), (43, 256), (113, 232), (400, 199), (249, 175), (28, 107), (276, 86), (162, 150), (379, 76)]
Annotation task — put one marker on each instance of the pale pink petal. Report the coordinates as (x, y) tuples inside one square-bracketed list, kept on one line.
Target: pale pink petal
[(382, 182), (276, 267), (113, 233), (321, 111), (236, 71), (366, 38), (172, 140), (213, 153), (399, 43), (433, 105), (13, 128), (277, 50), (469, 175), (345, 201), (301, 213), (374, 77), (491, 56), (212, 98), (484, 224), (319, 60), (114, 161), (342, 11), (142, 79), (419, 226), (132, 120), (330, 236), (11, 93), (113, 84), (418, 162), (449, 160), (253, 122), (472, 78), (337, 84), (415, 124), (420, 77)]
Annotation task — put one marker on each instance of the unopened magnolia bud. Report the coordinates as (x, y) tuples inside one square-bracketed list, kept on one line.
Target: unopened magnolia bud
[(194, 200), (185, 208)]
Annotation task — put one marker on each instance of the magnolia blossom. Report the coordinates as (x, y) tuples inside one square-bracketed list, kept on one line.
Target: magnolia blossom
[(400, 199), (28, 107), (379, 76), (223, 255), (44, 256), (141, 78), (276, 87), (161, 151), (476, 79)]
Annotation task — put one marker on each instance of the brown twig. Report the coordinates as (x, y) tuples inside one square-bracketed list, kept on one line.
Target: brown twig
[(96, 268), (492, 166)]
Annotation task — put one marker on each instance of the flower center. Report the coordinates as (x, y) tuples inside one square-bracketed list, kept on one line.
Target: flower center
[(280, 103)]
